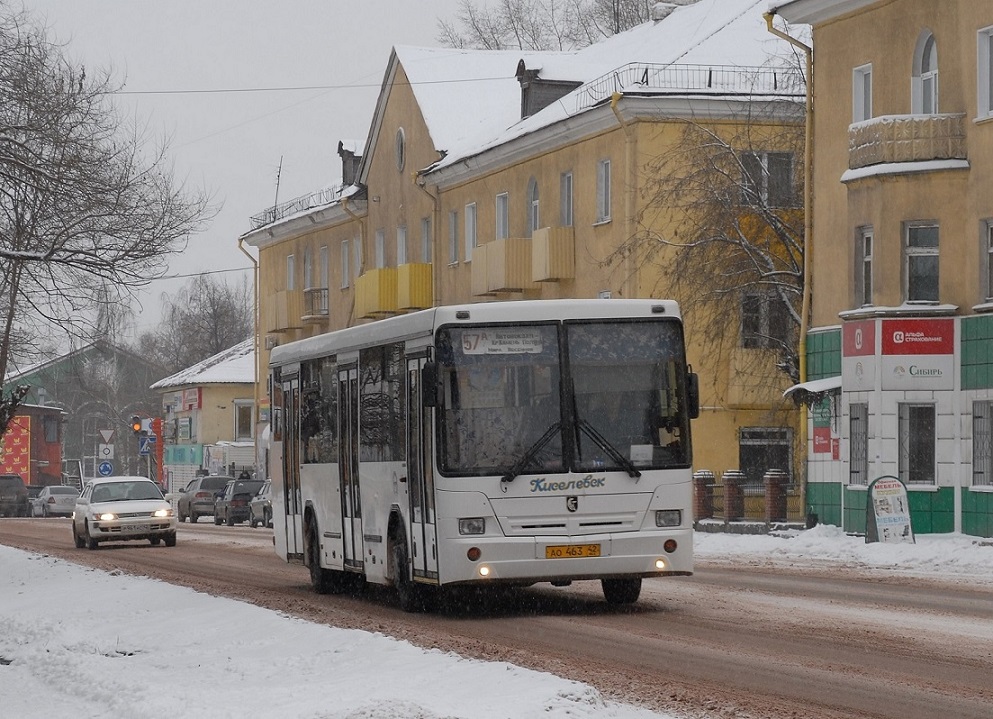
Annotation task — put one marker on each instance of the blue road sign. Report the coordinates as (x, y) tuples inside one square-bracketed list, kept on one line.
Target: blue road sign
[(106, 469), (145, 445)]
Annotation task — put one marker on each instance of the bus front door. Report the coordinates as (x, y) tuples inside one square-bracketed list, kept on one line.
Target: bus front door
[(348, 466), (420, 476), (292, 510)]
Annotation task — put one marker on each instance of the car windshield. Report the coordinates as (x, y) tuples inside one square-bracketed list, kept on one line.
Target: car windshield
[(214, 483), (125, 491), (62, 490), (11, 482), (246, 487)]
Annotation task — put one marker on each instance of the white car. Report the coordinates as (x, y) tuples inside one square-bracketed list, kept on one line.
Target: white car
[(116, 509), (56, 499)]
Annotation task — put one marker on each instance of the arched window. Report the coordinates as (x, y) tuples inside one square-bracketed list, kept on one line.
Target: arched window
[(534, 217), (924, 89)]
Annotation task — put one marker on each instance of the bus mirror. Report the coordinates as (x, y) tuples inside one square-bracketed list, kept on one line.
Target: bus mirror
[(693, 394), (429, 384)]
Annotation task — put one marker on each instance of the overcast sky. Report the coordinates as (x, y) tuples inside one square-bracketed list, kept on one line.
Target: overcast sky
[(176, 56)]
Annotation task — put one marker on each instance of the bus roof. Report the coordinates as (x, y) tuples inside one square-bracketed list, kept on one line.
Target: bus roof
[(423, 323)]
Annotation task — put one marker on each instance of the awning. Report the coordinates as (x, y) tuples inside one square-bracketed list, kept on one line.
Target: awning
[(802, 392)]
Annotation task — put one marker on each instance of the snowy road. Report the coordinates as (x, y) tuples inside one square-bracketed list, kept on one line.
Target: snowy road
[(747, 636)]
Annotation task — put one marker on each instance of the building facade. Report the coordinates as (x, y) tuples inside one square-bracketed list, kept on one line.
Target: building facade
[(902, 258)]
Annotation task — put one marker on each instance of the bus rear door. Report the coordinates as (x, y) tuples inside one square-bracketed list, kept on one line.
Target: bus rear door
[(348, 465), (292, 515), (420, 476)]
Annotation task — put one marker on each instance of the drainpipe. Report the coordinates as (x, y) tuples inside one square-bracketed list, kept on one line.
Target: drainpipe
[(255, 339), (808, 220), (419, 183), (630, 195)]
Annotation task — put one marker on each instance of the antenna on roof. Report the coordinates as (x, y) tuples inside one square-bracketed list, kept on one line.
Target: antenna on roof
[(279, 172)]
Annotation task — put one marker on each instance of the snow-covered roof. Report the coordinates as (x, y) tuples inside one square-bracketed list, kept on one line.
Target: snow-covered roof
[(235, 365)]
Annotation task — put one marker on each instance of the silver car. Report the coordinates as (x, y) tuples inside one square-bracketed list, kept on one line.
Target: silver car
[(55, 500), (260, 511), (115, 509)]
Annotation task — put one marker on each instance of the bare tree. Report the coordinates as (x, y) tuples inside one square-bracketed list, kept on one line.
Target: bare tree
[(88, 211), (205, 317), (540, 24)]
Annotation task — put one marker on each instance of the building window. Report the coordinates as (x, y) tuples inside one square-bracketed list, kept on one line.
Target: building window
[(291, 272), (924, 99), (345, 267), (308, 269), (534, 216), (922, 263), (767, 179), (764, 321), (858, 447), (917, 443), (400, 150), (985, 72), (243, 426), (603, 191), (325, 267), (987, 244), (357, 256), (565, 199), (982, 444), (502, 216), (763, 448), (863, 267), (453, 237), (470, 230), (426, 239), (401, 245), (380, 249), (862, 93)]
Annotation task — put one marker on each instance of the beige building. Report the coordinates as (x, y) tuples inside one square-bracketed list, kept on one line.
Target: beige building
[(902, 257), (507, 175)]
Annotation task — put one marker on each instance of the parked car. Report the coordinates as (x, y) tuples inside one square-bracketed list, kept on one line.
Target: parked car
[(34, 509), (234, 503), (260, 509), (56, 500), (197, 497), (115, 509), (13, 496)]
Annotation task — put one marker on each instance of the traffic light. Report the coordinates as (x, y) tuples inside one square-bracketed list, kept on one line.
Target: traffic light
[(136, 424)]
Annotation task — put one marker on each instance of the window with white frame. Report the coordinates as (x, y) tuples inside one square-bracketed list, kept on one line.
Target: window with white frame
[(502, 216), (453, 237), (863, 267), (346, 268), (603, 191), (534, 215), (982, 443), (858, 443), (862, 93), (985, 72), (917, 437), (401, 245), (325, 267), (921, 262), (244, 428), (426, 239), (565, 199), (380, 249), (358, 258), (470, 230), (291, 272), (767, 179), (764, 321), (987, 245), (308, 269), (924, 85)]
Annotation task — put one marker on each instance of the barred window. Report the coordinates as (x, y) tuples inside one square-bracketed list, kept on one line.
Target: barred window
[(917, 443)]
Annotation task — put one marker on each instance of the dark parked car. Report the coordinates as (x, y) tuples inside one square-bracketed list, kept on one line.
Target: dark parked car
[(234, 503), (13, 496), (197, 498)]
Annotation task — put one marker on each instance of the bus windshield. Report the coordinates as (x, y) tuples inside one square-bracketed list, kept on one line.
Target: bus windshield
[(555, 397)]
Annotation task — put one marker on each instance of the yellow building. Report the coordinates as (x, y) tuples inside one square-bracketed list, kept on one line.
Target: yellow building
[(902, 257), (508, 175)]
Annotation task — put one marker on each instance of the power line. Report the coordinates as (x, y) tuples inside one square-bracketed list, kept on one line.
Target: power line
[(297, 88), (201, 274)]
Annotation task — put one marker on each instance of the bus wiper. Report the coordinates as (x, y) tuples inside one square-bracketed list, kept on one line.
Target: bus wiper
[(604, 444), (532, 452)]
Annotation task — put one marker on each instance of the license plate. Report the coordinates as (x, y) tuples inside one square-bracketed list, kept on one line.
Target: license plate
[(132, 528), (569, 551)]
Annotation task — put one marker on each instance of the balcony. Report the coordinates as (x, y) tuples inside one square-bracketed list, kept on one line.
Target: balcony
[(906, 138), (376, 293), (315, 305), (553, 254), (283, 311), (502, 266), (415, 290)]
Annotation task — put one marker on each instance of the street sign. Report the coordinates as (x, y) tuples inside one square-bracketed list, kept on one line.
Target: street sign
[(105, 469), (105, 451), (146, 444), (107, 435)]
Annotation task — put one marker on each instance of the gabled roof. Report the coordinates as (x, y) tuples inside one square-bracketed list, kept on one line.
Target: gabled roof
[(95, 346), (235, 365)]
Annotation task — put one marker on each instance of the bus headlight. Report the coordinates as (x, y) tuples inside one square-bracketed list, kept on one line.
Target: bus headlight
[(472, 525), (668, 517)]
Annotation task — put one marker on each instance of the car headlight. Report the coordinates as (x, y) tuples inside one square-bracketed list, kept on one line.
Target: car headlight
[(668, 517), (162, 513), (472, 525), (106, 516)]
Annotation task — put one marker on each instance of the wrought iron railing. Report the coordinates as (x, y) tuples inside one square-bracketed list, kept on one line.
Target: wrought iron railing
[(298, 204)]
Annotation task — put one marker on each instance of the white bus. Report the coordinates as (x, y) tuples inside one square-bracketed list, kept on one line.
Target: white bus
[(485, 444)]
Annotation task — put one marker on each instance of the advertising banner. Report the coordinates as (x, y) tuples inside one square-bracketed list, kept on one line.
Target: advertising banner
[(858, 356), (887, 512), (918, 354)]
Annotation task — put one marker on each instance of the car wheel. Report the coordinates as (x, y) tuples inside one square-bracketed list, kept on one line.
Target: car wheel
[(91, 543), (155, 541), (267, 518), (217, 520), (229, 520), (182, 517), (76, 539), (194, 517), (170, 540), (621, 591), (44, 511), (253, 522)]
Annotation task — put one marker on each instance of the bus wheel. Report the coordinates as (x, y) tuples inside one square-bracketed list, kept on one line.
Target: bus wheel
[(324, 581), (621, 591), (413, 598)]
